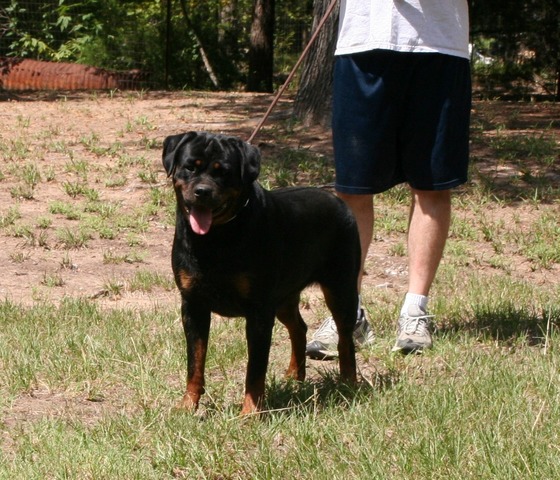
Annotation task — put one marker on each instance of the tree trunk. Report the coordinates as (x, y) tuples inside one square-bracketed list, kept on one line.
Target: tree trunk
[(313, 99), (228, 30), (261, 51), (201, 49)]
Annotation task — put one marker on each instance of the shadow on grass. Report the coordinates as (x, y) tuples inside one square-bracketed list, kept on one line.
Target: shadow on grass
[(289, 397), (507, 324)]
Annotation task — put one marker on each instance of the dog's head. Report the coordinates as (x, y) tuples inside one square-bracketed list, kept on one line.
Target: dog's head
[(211, 175)]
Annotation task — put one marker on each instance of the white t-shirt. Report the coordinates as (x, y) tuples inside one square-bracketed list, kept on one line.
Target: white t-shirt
[(404, 25)]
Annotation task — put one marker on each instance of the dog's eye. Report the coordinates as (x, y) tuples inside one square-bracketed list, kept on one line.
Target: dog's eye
[(219, 169), (192, 165)]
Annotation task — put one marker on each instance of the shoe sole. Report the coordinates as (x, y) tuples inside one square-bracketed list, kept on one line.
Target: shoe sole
[(409, 350), (322, 355)]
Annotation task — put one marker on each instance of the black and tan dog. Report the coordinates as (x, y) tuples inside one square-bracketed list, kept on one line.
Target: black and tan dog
[(240, 250)]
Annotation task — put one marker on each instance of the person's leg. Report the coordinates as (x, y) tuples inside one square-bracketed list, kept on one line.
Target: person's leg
[(324, 341), (430, 217), (362, 208), (364, 160)]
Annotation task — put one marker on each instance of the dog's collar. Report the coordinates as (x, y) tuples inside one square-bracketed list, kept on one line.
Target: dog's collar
[(237, 213)]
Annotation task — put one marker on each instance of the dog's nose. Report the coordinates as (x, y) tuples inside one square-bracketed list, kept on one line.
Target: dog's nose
[(202, 192)]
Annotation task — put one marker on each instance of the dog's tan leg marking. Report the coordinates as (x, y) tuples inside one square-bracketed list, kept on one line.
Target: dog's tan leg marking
[(195, 379), (346, 349), (254, 397), (289, 315)]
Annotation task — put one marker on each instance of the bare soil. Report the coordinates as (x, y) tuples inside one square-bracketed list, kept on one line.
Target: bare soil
[(52, 130), (39, 124)]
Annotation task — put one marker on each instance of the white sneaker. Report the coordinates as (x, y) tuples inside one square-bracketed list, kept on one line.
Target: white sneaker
[(324, 343), (414, 331)]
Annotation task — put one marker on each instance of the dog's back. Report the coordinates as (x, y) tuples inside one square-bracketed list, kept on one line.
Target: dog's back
[(317, 235)]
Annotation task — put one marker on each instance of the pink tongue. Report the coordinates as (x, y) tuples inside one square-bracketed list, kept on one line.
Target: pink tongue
[(201, 220)]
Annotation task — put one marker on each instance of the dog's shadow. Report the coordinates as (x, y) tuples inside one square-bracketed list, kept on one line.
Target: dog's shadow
[(325, 390)]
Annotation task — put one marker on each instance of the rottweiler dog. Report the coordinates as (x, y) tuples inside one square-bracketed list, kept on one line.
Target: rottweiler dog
[(243, 251)]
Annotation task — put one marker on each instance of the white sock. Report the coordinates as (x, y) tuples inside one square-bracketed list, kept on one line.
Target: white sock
[(414, 299), (359, 305)]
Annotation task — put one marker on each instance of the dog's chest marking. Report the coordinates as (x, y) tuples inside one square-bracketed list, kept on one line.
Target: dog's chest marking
[(186, 280), (241, 283)]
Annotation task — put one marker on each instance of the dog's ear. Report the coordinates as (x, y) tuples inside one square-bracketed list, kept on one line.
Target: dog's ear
[(171, 146), (251, 165)]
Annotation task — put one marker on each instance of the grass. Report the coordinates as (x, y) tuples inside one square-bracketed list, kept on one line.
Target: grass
[(472, 408), (88, 387)]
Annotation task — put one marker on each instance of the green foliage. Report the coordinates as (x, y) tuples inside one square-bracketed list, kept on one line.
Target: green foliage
[(521, 43), (517, 44), (137, 34), (52, 30)]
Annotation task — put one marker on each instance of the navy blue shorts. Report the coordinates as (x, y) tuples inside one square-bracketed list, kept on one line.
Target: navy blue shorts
[(400, 117)]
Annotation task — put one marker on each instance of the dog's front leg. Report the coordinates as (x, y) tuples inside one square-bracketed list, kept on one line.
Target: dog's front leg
[(196, 324), (259, 337)]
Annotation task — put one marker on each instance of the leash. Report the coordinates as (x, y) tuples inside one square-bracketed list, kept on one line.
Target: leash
[(330, 8)]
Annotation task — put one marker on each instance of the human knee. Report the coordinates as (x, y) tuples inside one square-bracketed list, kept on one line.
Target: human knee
[(357, 202), (431, 197)]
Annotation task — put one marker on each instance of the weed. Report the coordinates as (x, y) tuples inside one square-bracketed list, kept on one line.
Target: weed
[(398, 249), (144, 122), (25, 232), (78, 167), (10, 217), (50, 174), (73, 189), (110, 257), (69, 211), (24, 192), (103, 209), (66, 263), (113, 287), (107, 233), (296, 167), (133, 240), (115, 181), (15, 150), (72, 239), (30, 177), (42, 239), (23, 122), (148, 177), (30, 174), (19, 257), (145, 281), (52, 280), (44, 222)]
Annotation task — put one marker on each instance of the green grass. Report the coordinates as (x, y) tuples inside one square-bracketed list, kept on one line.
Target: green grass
[(105, 384), (88, 389)]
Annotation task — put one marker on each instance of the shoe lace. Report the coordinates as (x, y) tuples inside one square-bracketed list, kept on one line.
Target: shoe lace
[(417, 324), (326, 330)]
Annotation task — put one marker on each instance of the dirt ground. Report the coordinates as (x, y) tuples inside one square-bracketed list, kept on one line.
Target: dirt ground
[(55, 131), (119, 137)]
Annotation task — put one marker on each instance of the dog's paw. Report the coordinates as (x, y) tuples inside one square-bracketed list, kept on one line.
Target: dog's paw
[(187, 404)]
